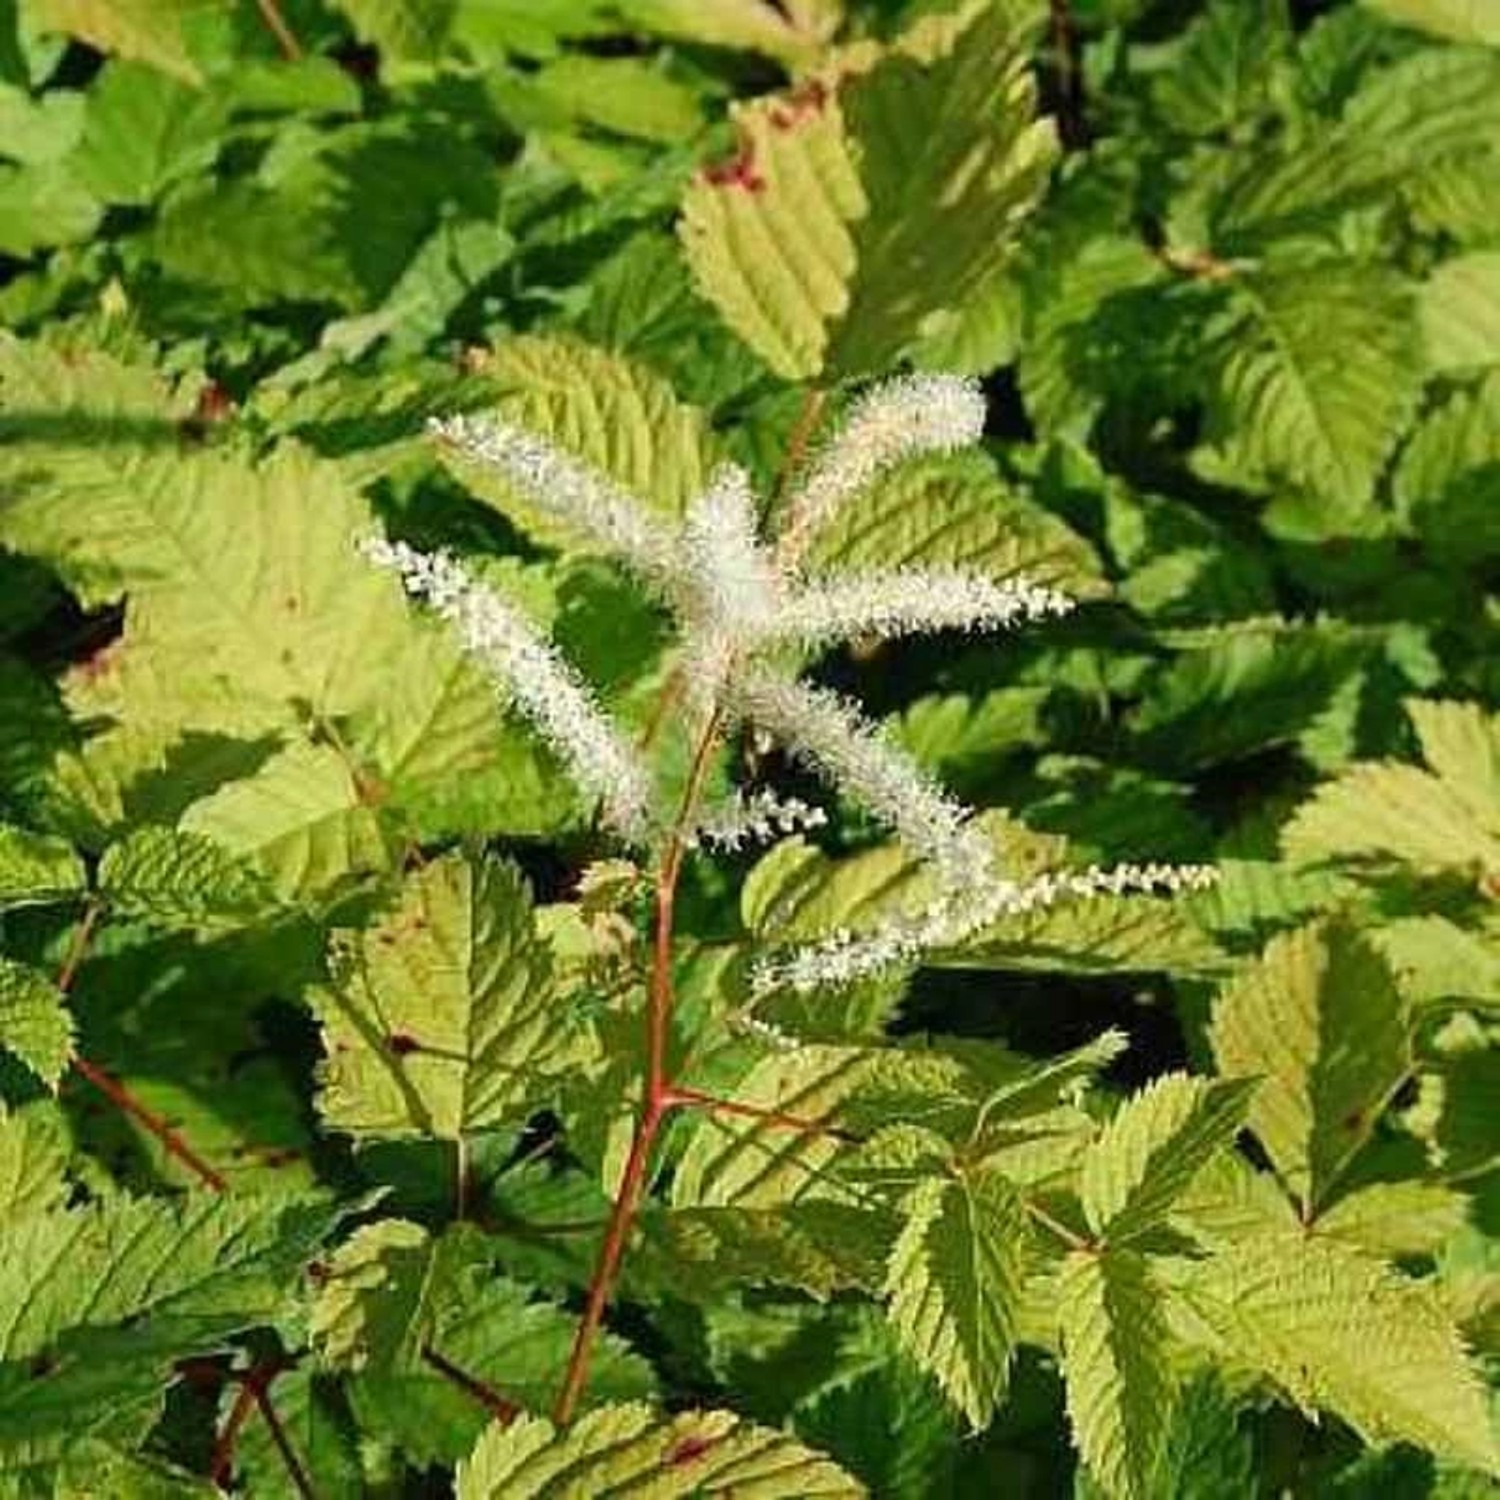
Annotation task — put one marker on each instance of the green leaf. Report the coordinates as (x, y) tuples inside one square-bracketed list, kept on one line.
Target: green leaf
[(1448, 818), (1338, 1331), (1458, 20), (35, 1023), (440, 1019), (382, 1293), (616, 415), (1435, 961), (199, 1269), (955, 1285), (955, 512), (1277, 675), (630, 1450), (143, 132), (1115, 1362), (1158, 1141), (37, 870), (756, 1163), (401, 29), (851, 216), (1224, 68), (175, 878), (818, 1248), (147, 30), (1460, 313), (42, 205), (1318, 1018), (34, 1151), (1316, 377), (304, 821), (1393, 1219), (495, 1332)]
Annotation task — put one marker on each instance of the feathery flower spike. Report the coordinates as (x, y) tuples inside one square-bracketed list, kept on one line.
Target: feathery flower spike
[(954, 916), (823, 731), (898, 419), (756, 818), (908, 601), (530, 674), (567, 491)]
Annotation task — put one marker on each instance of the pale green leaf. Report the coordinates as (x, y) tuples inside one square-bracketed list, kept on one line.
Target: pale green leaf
[(1460, 312), (955, 512), (1229, 1200), (402, 29), (34, 1151), (1318, 1018), (618, 416), (147, 30), (790, 34), (37, 870), (754, 1163), (175, 878), (440, 1018), (631, 1450), (853, 215), (1115, 1363), (817, 1247), (304, 821), (200, 1268), (1384, 808), (955, 1285), (383, 1290), (1461, 742), (1339, 1331), (1157, 1142), (1457, 20), (1448, 818), (1317, 376), (1392, 1219), (1435, 960), (35, 1023), (41, 205)]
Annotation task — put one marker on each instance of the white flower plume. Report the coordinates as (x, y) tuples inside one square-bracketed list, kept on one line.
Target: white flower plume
[(531, 675), (898, 419), (953, 917), (740, 602), (819, 728), (756, 817), (908, 601), (567, 491)]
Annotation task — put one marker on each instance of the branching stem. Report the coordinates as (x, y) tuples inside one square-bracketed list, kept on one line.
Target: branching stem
[(501, 1408), (111, 1087)]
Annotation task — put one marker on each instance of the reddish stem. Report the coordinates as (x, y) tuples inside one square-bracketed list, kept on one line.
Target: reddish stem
[(271, 14), (695, 1099), (171, 1140), (501, 1408), (221, 1463), (260, 1393), (655, 1102)]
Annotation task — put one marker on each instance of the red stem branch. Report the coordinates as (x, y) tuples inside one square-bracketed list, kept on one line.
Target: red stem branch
[(261, 1395), (270, 13), (171, 1139), (696, 1099), (221, 1463), (660, 1095), (112, 1088), (501, 1408)]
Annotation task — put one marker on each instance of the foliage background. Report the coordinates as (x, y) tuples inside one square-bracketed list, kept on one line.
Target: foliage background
[(1243, 365)]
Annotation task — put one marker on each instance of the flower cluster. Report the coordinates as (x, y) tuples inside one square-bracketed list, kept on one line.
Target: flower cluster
[(745, 606)]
